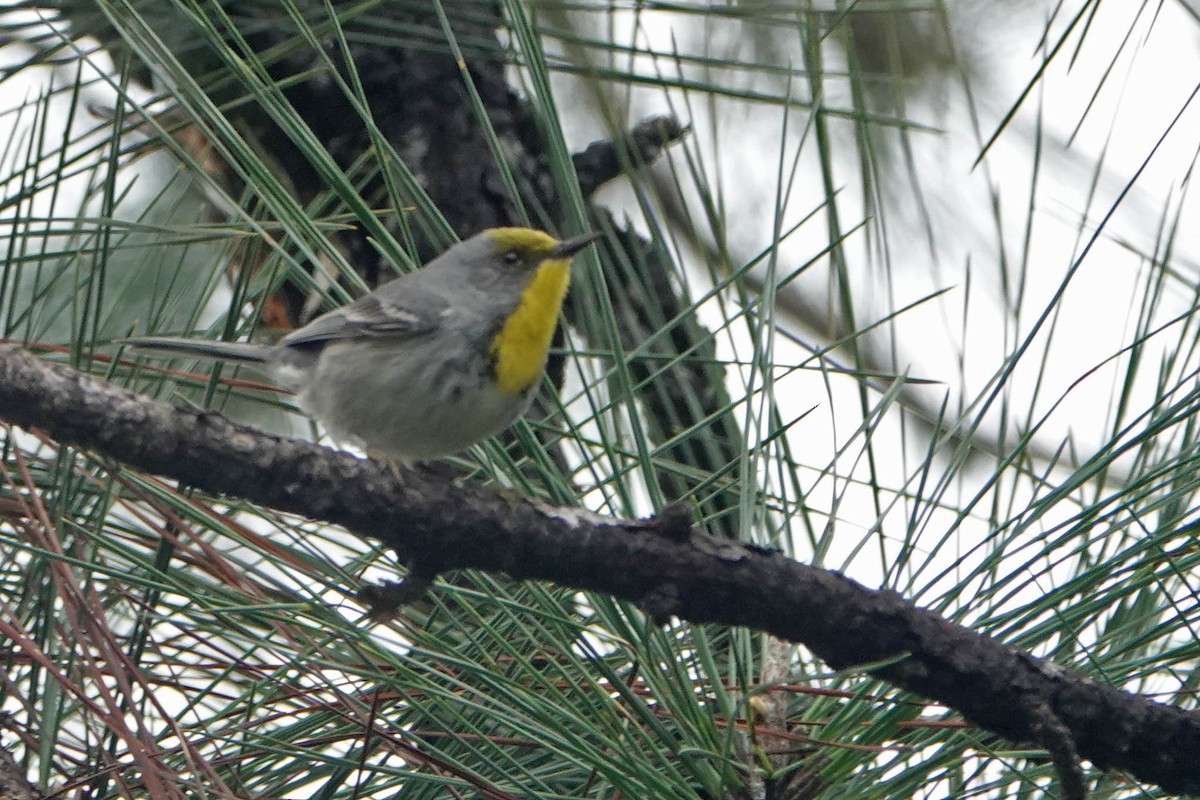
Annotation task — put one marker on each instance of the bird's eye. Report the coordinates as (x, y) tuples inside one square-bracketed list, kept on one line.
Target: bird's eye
[(512, 258)]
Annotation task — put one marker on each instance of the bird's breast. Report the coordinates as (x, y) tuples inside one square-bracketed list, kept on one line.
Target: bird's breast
[(519, 347)]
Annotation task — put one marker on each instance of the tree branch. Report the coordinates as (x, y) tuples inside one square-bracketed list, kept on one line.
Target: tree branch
[(663, 563)]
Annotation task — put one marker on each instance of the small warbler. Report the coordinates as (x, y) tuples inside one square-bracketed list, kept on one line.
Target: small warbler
[(430, 362)]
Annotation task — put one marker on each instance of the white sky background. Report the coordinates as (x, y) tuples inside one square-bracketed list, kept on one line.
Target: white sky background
[(1136, 84), (956, 341)]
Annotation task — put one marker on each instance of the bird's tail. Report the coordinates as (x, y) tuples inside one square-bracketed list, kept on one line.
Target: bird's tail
[(226, 351)]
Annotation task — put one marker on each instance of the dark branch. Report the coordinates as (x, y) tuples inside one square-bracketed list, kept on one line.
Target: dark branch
[(604, 160), (13, 784), (662, 562)]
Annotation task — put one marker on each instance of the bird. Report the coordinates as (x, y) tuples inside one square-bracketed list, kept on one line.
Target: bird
[(429, 363)]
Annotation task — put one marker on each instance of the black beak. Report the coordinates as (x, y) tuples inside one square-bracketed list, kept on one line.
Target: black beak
[(569, 247)]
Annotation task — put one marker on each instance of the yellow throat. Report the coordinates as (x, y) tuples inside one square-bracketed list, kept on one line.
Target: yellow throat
[(520, 346)]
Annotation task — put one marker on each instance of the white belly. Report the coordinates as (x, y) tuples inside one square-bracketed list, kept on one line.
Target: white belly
[(407, 407)]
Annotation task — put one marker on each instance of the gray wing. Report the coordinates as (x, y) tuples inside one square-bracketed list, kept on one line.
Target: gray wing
[(394, 310)]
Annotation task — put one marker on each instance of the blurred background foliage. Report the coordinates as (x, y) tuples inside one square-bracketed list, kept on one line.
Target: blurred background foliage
[(908, 296)]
